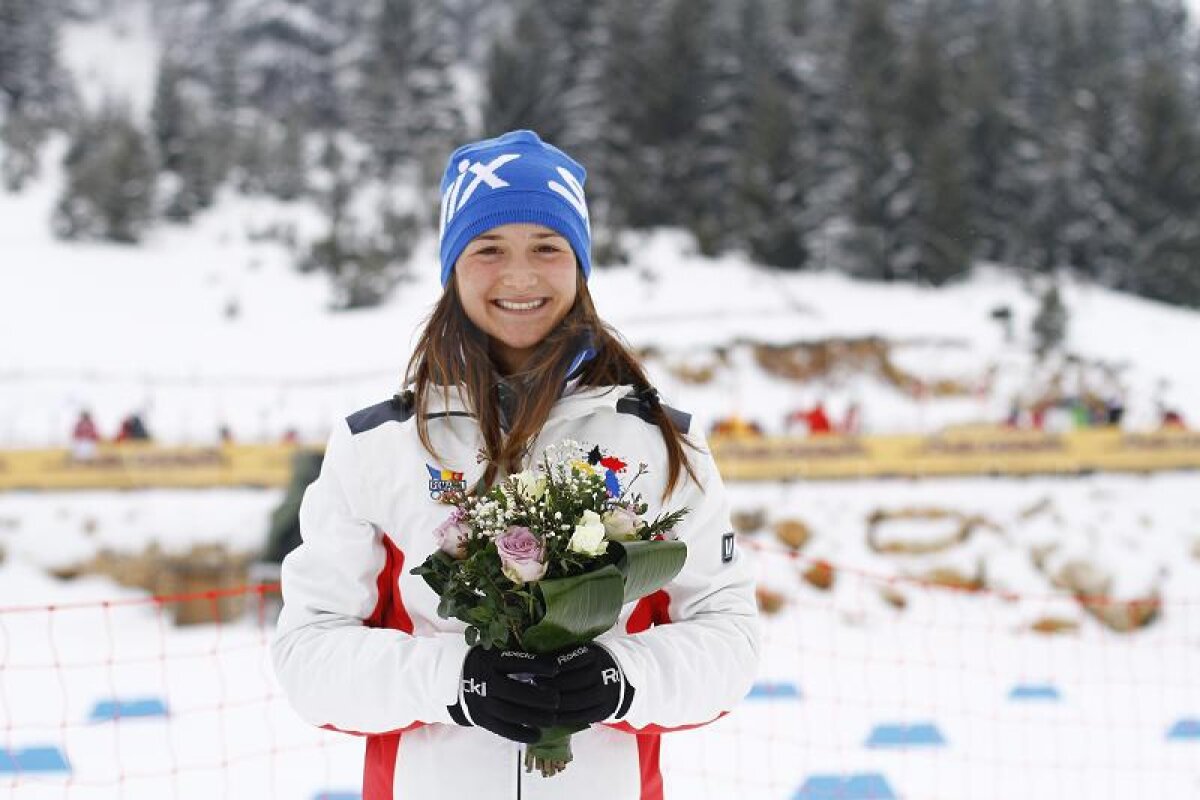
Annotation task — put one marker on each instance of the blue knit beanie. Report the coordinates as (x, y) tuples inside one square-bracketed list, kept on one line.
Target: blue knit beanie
[(513, 178)]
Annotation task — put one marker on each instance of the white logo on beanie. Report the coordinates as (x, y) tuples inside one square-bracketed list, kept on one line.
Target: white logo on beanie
[(573, 195), (452, 203)]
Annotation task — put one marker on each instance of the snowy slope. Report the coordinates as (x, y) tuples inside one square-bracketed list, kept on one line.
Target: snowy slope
[(202, 326)]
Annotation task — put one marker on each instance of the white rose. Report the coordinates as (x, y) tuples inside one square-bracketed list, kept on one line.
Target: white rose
[(588, 538), (532, 485), (620, 524)]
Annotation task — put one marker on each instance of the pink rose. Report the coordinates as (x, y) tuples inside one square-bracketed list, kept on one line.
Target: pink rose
[(451, 535), (520, 555)]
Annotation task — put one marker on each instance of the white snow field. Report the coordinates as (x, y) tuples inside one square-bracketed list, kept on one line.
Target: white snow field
[(954, 696)]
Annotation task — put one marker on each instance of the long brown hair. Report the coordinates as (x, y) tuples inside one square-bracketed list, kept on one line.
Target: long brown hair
[(453, 351)]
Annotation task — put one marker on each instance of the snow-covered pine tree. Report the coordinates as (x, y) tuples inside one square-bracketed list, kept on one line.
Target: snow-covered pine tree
[(35, 91), (1049, 327), (436, 123), (533, 65), (169, 114), (619, 156), (523, 82), (718, 140), (590, 131), (363, 258), (877, 164), (189, 147), (1166, 170), (286, 161), (109, 191), (380, 83), (773, 164), (405, 105), (999, 138), (286, 61), (933, 231)]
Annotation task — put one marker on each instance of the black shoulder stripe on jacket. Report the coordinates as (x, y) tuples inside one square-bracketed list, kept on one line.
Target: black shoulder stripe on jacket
[(640, 408), (399, 409)]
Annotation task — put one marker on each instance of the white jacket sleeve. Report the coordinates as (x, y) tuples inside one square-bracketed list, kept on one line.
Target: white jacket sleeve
[(691, 671), (335, 670)]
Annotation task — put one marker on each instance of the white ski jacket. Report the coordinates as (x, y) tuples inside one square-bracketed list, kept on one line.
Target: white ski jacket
[(360, 647)]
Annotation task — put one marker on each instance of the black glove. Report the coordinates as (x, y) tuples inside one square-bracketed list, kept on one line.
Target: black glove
[(590, 684), (508, 707)]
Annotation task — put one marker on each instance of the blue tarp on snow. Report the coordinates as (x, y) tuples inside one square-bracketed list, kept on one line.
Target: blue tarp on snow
[(774, 690), (862, 786), (107, 710), (1034, 691), (1185, 729), (924, 734), (33, 759)]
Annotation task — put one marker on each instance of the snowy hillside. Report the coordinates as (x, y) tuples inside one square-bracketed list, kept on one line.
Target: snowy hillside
[(209, 324)]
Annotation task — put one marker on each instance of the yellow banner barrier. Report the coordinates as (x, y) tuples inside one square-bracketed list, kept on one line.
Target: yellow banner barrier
[(139, 465), (968, 452), (973, 452)]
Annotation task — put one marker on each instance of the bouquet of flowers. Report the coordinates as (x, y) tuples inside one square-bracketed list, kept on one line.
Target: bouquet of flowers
[(546, 558)]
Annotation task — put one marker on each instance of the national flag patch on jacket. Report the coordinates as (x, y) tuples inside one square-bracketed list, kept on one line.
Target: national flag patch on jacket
[(444, 480)]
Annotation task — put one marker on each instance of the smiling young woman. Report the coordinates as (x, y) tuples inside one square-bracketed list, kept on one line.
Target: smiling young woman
[(513, 358)]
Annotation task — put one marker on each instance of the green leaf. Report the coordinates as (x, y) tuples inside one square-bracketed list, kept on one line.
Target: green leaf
[(435, 570), (648, 566), (578, 609), (480, 615)]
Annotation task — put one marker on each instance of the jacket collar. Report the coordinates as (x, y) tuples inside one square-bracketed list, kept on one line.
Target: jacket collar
[(576, 401)]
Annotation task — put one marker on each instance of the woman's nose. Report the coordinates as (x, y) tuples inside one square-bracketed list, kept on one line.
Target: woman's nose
[(519, 274)]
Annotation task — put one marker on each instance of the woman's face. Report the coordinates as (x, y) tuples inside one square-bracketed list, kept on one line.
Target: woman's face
[(516, 282)]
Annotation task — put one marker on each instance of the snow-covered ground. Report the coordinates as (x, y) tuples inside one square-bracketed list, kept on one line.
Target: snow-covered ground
[(999, 710)]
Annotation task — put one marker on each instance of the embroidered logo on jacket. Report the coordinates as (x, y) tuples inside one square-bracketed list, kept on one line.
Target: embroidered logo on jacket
[(444, 480), (727, 547)]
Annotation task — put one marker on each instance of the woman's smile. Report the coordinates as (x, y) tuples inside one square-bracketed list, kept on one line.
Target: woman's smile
[(522, 307)]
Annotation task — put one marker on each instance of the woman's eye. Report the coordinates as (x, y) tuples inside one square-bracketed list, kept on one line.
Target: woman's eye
[(487, 251), (548, 248)]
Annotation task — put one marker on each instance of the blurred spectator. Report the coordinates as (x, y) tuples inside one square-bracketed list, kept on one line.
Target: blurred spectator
[(132, 429), (1013, 420), (290, 436), (84, 437), (1060, 416), (850, 421), (815, 419), (736, 426), (1171, 419), (1081, 413), (1037, 415), (225, 434), (1114, 411)]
